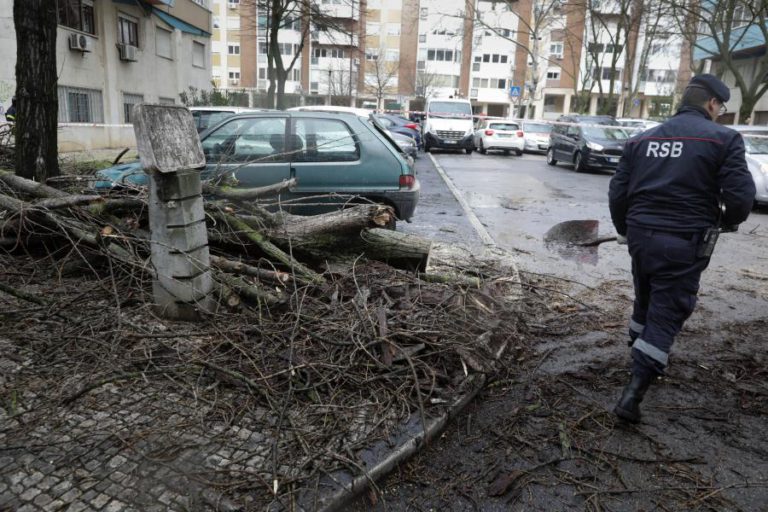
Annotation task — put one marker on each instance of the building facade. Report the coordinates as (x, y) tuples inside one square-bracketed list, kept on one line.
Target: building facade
[(113, 54)]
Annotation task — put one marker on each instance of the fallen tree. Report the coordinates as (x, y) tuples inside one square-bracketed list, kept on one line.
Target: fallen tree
[(315, 345)]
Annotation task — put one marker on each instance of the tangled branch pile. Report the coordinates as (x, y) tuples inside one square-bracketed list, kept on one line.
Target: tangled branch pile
[(305, 362)]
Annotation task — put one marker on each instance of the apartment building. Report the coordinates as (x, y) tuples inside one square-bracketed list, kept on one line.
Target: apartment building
[(112, 55), (584, 58)]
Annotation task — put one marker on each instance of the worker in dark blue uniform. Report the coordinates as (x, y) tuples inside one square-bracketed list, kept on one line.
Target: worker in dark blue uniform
[(677, 185)]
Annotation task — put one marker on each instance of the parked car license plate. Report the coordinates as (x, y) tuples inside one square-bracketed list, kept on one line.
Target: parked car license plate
[(613, 159), (451, 142), (503, 135)]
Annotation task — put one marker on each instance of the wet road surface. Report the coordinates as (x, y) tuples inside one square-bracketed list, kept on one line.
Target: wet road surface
[(542, 436)]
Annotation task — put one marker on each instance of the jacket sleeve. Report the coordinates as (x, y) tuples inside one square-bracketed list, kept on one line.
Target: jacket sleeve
[(737, 187), (618, 200)]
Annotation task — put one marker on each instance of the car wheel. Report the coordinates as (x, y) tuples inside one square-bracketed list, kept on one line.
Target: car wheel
[(578, 163), (519, 152), (469, 150), (482, 148), (551, 157)]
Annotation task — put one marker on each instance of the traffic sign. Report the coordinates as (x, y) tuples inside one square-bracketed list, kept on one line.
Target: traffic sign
[(514, 91)]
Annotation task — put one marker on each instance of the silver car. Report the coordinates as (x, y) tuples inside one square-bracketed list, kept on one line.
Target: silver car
[(536, 136), (756, 144)]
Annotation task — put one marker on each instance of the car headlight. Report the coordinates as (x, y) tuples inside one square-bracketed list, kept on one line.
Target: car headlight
[(594, 146), (469, 131)]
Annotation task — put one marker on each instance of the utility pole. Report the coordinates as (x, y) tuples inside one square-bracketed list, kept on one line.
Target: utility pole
[(329, 85)]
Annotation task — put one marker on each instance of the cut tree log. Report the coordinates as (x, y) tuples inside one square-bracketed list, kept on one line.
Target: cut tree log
[(55, 203), (238, 267), (29, 187), (248, 194)]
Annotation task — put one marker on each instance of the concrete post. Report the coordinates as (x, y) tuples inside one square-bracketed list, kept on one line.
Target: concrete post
[(171, 154)]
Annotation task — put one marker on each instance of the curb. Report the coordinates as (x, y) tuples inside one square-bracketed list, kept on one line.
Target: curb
[(476, 224)]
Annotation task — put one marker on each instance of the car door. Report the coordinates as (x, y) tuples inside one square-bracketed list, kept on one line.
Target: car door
[(570, 142), (327, 159), (251, 149), (478, 133)]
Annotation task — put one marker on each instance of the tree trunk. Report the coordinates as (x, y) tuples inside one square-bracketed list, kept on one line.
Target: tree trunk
[(37, 105)]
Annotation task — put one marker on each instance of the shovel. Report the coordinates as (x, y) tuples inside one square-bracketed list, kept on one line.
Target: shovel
[(581, 233)]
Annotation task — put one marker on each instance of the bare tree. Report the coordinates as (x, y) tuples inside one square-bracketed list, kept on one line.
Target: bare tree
[(37, 103), (379, 78), (281, 15), (720, 31)]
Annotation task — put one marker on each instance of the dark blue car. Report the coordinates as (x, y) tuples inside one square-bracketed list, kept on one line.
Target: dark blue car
[(400, 125)]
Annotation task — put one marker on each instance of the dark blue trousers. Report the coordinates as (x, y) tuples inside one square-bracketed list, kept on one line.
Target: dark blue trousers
[(666, 272)]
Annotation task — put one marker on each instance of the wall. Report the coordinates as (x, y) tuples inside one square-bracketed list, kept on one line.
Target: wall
[(87, 137)]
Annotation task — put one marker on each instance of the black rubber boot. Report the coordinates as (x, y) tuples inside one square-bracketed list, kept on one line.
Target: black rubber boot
[(628, 407)]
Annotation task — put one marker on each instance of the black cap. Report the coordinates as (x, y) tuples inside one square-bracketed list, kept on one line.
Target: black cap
[(713, 84)]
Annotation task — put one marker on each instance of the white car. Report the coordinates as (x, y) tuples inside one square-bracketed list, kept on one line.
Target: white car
[(536, 136), (502, 135), (636, 125), (756, 145)]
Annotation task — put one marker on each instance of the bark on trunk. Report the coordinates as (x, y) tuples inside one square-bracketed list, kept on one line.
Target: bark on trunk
[(37, 104)]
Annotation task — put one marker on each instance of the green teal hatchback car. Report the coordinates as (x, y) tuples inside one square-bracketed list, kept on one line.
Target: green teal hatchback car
[(332, 156)]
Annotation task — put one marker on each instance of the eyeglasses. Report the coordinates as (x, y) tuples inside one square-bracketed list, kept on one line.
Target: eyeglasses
[(723, 108)]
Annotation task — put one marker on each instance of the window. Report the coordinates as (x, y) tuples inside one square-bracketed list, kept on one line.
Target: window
[(595, 47), (500, 83), (420, 64), (76, 14), (605, 73), (127, 30), (259, 140), (475, 66), (556, 49), (613, 48), (553, 75), (129, 100), (78, 105), (166, 101), (234, 75), (325, 140), (233, 49), (495, 58), (442, 55), (741, 16), (337, 53), (422, 38), (371, 53), (319, 52), (163, 46), (503, 59), (296, 75), (372, 28), (423, 13), (262, 73), (198, 54), (393, 29)]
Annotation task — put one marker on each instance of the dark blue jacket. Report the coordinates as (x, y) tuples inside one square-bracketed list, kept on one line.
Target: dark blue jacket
[(673, 176)]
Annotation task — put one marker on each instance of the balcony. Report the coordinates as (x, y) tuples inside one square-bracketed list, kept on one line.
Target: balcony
[(346, 11), (329, 38)]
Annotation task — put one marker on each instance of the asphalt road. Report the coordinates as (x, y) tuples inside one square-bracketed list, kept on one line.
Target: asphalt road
[(518, 199)]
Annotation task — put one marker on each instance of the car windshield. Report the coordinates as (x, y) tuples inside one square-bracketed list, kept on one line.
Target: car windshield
[(607, 133), (450, 109), (756, 143), (503, 126), (537, 128)]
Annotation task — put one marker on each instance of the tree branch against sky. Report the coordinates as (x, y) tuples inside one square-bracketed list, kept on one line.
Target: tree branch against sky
[(379, 78), (719, 30)]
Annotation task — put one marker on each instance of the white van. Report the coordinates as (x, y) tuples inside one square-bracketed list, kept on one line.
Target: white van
[(448, 125)]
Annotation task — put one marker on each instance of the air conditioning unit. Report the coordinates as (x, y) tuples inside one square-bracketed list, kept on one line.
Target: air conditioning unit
[(80, 43), (127, 52)]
